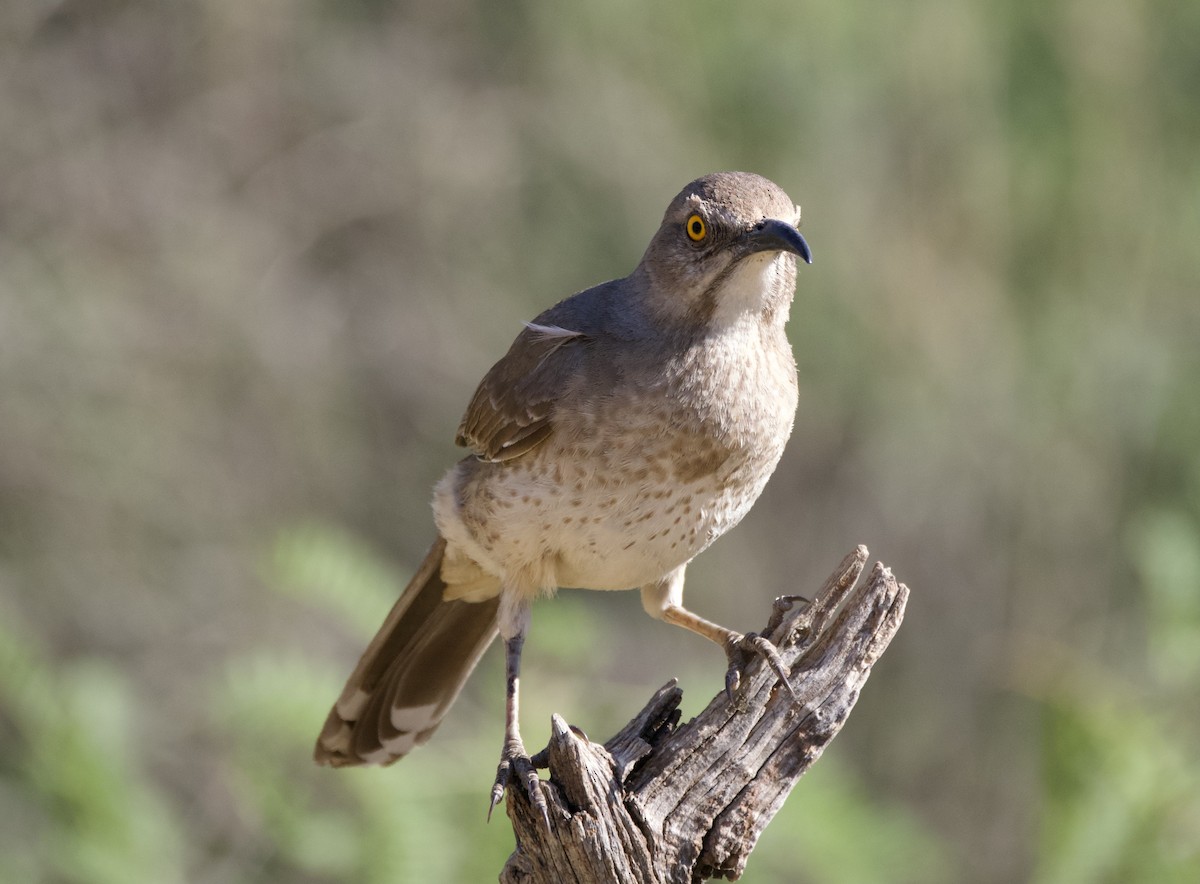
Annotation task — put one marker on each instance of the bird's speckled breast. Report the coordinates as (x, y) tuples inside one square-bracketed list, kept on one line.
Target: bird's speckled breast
[(618, 496)]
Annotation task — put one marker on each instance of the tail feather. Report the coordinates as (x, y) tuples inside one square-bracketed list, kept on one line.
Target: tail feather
[(410, 673)]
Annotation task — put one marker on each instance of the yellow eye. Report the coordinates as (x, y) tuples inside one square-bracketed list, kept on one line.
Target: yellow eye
[(696, 229)]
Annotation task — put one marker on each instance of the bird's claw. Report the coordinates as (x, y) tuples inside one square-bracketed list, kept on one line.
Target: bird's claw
[(741, 649), (781, 606), (516, 768)]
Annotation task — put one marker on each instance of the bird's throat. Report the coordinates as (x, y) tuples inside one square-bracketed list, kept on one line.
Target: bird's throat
[(753, 287)]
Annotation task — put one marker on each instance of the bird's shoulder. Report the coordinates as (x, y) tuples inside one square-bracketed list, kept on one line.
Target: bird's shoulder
[(513, 408)]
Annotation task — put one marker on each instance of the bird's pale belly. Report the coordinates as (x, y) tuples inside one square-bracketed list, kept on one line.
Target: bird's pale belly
[(607, 528), (638, 540)]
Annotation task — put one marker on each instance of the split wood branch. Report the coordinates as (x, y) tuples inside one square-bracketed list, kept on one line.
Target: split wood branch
[(663, 802)]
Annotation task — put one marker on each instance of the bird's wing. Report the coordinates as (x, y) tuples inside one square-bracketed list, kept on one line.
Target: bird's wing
[(512, 410)]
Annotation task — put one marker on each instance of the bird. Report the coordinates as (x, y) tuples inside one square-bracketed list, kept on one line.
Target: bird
[(626, 429)]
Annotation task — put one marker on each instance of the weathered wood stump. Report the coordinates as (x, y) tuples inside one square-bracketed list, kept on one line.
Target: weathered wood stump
[(664, 802)]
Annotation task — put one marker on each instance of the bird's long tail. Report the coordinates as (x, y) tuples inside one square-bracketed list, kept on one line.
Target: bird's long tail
[(410, 674)]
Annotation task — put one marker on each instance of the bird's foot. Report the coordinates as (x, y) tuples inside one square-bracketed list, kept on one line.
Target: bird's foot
[(740, 649), (780, 608), (517, 769)]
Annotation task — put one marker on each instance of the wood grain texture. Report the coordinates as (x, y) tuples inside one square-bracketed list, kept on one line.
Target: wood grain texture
[(668, 802)]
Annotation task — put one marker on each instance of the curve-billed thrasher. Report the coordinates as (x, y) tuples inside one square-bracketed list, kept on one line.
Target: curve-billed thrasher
[(626, 429)]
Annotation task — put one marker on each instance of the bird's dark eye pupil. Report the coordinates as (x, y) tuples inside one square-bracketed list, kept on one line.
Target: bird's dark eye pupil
[(696, 227)]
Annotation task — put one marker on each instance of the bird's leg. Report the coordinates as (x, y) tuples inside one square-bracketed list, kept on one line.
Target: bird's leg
[(515, 766), (664, 600), (738, 648)]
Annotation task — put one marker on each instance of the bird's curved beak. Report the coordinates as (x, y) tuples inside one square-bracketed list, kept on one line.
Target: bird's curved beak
[(773, 235)]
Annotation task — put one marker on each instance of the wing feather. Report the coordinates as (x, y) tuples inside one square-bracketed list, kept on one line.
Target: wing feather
[(512, 410)]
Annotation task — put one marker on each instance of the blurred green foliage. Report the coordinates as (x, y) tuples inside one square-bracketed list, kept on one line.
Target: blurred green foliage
[(254, 257)]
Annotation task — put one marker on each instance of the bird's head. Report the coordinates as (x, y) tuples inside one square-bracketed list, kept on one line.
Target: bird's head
[(726, 249)]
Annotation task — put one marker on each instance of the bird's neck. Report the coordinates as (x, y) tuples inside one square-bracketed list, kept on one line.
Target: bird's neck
[(757, 289)]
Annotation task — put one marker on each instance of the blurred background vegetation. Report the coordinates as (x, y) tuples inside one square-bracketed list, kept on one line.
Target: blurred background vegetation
[(255, 256)]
